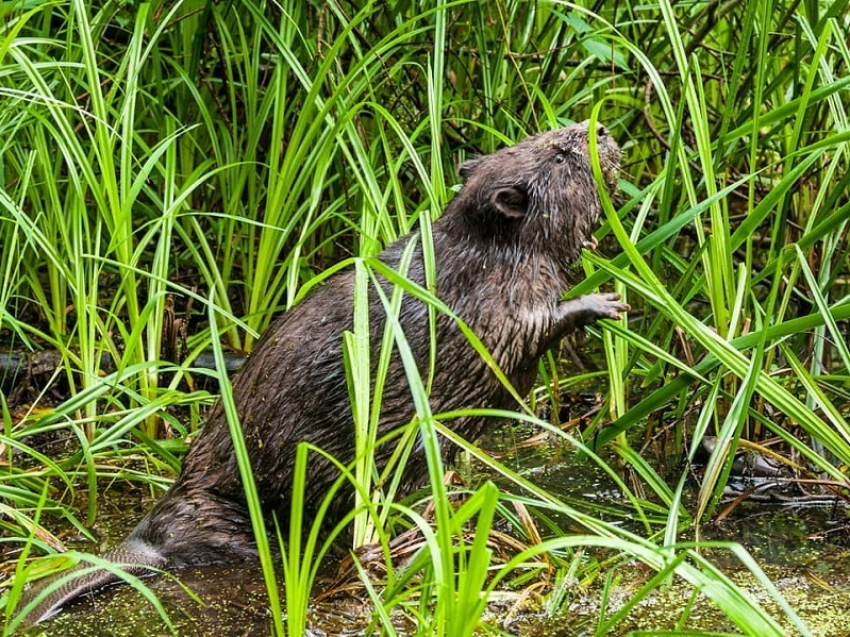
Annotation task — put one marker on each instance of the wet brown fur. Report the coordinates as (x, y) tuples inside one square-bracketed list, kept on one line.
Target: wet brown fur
[(503, 250)]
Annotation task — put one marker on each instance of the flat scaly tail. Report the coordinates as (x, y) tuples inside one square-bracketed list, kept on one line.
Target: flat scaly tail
[(134, 556)]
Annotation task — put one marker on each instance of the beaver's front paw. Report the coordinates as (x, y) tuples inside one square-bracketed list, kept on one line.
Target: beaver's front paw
[(607, 305)]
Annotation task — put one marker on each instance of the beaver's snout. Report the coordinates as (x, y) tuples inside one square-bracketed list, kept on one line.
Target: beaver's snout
[(609, 153)]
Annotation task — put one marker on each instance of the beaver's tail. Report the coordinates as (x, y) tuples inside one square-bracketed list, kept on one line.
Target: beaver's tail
[(133, 556)]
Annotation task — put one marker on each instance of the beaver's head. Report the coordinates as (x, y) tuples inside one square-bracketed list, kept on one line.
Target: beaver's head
[(540, 194)]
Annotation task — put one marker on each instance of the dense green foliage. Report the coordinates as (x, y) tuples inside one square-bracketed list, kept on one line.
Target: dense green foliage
[(174, 174)]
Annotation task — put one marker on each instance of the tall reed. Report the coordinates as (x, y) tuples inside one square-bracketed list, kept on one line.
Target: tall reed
[(174, 175)]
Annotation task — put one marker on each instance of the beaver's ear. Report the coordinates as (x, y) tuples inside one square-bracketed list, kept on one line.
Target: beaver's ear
[(510, 202), (468, 167)]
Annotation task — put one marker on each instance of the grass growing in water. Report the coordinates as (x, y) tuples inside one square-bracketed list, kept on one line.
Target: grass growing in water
[(154, 157)]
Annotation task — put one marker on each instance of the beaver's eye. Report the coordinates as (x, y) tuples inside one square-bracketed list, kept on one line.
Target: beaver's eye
[(559, 158)]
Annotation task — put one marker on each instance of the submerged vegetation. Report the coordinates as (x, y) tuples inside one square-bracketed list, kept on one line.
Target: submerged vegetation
[(173, 175)]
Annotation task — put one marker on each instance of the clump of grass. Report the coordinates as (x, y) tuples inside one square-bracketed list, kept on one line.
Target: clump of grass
[(204, 165)]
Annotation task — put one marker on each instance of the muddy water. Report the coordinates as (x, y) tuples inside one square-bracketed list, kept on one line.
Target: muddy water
[(802, 550), (231, 603)]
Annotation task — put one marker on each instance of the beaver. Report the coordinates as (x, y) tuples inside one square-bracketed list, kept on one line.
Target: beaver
[(504, 248)]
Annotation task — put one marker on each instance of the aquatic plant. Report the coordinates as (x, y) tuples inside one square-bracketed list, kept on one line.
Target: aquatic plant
[(172, 175)]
